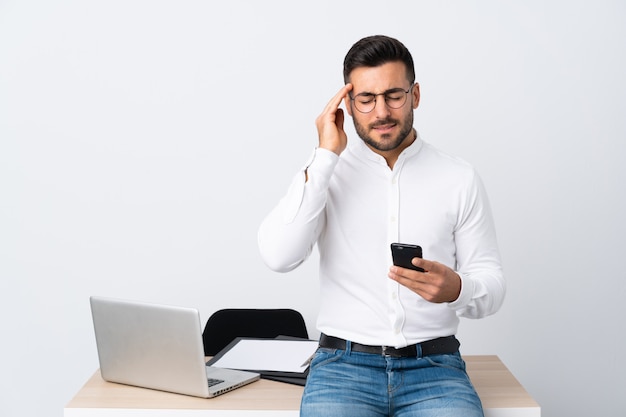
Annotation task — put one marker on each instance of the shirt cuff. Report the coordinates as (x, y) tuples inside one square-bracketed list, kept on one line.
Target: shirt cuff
[(319, 169), (465, 297)]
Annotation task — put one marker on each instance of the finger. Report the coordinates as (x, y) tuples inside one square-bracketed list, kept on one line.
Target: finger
[(339, 118), (334, 103), (414, 283), (426, 265), (399, 273)]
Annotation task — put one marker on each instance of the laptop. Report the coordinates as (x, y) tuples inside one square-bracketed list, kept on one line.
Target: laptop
[(158, 347)]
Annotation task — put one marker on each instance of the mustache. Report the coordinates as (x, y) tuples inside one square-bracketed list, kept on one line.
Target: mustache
[(383, 122)]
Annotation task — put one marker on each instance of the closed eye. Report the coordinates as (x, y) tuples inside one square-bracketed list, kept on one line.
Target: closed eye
[(365, 98)]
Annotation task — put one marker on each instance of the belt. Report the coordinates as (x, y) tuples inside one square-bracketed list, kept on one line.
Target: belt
[(438, 346)]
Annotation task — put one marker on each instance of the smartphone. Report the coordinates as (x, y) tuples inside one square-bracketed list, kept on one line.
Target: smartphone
[(402, 253)]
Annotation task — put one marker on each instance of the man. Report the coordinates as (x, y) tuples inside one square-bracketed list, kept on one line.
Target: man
[(387, 345)]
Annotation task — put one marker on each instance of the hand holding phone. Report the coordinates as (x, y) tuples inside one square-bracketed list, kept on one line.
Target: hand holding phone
[(403, 253)]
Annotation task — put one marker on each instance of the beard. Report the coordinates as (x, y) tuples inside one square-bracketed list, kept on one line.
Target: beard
[(390, 143)]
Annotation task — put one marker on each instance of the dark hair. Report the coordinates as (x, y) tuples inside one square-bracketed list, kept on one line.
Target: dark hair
[(377, 50)]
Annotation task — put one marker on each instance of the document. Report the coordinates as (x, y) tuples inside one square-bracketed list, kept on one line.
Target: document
[(270, 355)]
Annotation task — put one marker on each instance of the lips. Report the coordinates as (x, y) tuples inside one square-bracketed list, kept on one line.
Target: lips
[(383, 127)]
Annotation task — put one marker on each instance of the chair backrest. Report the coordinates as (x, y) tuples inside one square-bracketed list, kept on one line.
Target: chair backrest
[(225, 325)]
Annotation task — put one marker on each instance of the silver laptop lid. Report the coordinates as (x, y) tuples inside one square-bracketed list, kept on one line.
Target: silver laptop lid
[(154, 346)]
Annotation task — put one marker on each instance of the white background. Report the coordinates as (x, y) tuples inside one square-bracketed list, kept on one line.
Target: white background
[(142, 142)]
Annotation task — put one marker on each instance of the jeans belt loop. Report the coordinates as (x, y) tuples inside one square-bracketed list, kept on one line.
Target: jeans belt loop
[(419, 351)]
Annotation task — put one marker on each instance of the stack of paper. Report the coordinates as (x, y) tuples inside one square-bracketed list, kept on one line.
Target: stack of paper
[(282, 359)]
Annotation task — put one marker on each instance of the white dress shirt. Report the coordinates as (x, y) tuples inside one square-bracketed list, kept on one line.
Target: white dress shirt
[(354, 206)]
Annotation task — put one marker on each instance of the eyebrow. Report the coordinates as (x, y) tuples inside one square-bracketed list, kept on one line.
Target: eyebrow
[(367, 93)]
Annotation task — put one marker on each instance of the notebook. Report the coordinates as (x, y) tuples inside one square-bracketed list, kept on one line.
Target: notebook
[(158, 347)]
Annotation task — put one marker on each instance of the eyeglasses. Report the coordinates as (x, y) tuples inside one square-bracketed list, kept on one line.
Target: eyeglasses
[(394, 99)]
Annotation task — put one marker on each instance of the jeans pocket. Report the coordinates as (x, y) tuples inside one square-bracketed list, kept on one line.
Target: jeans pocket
[(448, 360), (325, 355)]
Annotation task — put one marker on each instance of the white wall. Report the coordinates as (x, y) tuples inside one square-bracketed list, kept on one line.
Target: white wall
[(142, 142)]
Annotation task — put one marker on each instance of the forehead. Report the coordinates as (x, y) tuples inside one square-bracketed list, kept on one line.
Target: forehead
[(379, 79)]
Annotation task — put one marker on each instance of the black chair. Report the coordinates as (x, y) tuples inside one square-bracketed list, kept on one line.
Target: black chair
[(227, 324)]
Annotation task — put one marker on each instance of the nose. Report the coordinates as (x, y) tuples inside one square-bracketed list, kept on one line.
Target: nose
[(381, 109)]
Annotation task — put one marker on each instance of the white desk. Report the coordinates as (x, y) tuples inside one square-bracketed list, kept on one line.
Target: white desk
[(501, 395)]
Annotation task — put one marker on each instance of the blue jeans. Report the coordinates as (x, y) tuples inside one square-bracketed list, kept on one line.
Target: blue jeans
[(342, 383)]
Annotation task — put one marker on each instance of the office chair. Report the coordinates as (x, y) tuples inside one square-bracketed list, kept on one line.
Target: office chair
[(225, 325)]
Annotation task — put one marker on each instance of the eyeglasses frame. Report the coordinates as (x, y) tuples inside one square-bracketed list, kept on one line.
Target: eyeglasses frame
[(384, 94)]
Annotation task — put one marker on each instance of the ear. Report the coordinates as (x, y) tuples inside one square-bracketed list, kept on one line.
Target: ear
[(348, 104), (416, 95)]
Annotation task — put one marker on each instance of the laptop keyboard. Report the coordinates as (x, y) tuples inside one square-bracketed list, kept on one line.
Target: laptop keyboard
[(213, 381)]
